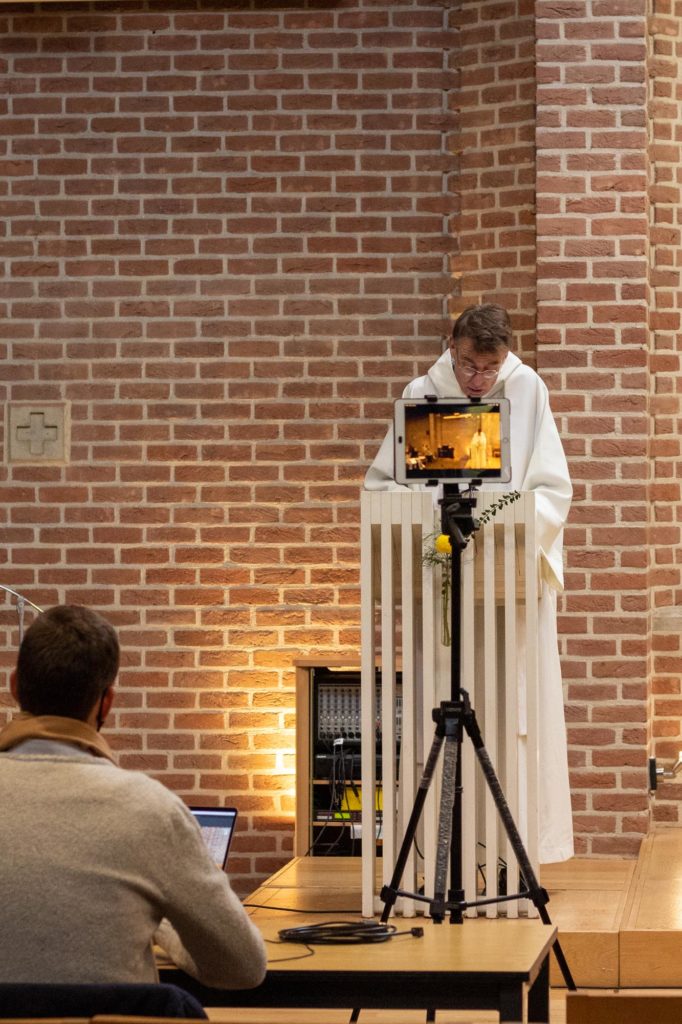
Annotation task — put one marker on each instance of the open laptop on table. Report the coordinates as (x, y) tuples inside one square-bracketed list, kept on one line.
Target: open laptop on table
[(217, 827)]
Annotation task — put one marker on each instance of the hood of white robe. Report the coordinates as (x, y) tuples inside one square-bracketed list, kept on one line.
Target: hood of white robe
[(446, 385)]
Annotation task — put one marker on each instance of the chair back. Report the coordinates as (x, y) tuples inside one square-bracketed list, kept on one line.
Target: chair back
[(26, 1000)]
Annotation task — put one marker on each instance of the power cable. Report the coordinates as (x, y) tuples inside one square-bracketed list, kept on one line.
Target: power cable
[(344, 933)]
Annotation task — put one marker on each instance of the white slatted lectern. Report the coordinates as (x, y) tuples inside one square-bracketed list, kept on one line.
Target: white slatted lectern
[(402, 612)]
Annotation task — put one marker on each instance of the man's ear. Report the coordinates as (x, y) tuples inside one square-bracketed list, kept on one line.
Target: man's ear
[(104, 707), (107, 700), (14, 685)]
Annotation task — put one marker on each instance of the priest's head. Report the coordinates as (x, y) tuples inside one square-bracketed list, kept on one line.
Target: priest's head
[(481, 338)]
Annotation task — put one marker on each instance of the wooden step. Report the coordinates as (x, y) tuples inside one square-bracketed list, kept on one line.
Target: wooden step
[(587, 899), (623, 1007), (651, 932), (620, 921)]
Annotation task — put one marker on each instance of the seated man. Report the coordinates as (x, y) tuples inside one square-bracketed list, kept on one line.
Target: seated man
[(98, 862)]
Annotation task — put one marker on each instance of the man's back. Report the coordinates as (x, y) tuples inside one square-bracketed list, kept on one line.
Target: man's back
[(94, 857)]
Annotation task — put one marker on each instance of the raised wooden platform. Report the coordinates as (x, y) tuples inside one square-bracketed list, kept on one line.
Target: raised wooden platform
[(620, 922), (588, 899), (620, 926), (651, 933)]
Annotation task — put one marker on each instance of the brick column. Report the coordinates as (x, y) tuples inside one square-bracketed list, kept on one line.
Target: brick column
[(495, 229), (665, 107), (593, 350)]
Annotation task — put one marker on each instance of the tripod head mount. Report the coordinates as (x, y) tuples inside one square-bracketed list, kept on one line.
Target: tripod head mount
[(457, 520)]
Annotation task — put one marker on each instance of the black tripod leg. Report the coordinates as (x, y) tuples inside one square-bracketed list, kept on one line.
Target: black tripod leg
[(456, 892), (448, 787), (389, 892), (536, 893)]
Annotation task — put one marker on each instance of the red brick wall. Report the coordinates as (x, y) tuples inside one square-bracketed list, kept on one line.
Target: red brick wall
[(230, 238), (593, 349), (495, 229), (666, 154), (605, 240), (226, 241)]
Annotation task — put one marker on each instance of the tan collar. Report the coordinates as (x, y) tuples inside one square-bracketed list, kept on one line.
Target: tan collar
[(25, 726)]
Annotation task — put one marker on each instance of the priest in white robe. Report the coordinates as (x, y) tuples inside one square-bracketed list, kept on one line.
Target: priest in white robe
[(478, 450), (479, 364)]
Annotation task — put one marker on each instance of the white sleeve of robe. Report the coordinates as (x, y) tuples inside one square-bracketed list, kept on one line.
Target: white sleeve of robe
[(547, 477), (380, 475)]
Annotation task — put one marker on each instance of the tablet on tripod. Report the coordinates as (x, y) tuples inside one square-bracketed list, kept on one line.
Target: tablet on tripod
[(451, 440)]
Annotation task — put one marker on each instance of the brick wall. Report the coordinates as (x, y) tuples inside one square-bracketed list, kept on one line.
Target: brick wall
[(226, 243), (495, 229), (593, 348), (603, 248), (229, 238), (665, 181)]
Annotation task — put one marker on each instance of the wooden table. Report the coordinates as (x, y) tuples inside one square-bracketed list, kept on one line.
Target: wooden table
[(500, 965)]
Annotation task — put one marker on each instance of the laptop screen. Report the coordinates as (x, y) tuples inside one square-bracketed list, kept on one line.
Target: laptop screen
[(217, 827)]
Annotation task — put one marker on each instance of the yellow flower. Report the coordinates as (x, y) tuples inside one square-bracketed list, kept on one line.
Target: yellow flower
[(442, 544)]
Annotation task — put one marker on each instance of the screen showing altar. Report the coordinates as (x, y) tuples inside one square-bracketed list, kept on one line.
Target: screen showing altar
[(451, 440)]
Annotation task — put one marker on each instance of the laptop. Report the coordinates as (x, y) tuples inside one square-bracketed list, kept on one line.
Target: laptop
[(217, 827)]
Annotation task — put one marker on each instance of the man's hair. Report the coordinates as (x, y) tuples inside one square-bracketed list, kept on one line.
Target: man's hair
[(488, 327), (68, 657)]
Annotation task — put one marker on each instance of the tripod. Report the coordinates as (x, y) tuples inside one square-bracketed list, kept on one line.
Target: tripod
[(453, 718)]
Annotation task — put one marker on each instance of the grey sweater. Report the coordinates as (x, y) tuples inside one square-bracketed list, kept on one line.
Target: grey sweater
[(96, 863)]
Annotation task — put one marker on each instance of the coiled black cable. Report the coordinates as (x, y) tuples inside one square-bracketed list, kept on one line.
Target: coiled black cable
[(344, 933)]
